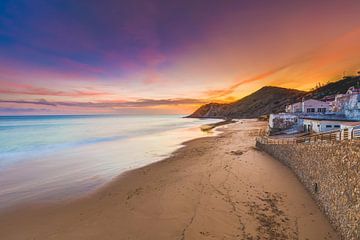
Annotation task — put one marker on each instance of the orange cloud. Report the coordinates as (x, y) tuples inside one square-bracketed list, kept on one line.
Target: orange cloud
[(343, 48), (342, 54), (226, 91)]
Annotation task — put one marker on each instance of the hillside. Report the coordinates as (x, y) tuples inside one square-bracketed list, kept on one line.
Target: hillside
[(264, 101), (331, 89), (271, 100)]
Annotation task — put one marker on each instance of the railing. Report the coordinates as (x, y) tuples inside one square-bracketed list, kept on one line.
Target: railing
[(323, 137)]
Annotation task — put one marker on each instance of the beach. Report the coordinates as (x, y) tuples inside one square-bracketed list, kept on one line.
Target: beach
[(218, 187)]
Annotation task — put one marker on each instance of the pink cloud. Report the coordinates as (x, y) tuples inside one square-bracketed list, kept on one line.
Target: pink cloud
[(27, 89)]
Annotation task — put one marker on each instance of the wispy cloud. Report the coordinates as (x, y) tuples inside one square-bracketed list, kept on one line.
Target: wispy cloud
[(141, 103), (36, 102), (226, 91), (27, 89), (22, 110)]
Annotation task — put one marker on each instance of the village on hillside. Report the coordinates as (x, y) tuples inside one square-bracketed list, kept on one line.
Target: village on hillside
[(317, 137), (340, 113)]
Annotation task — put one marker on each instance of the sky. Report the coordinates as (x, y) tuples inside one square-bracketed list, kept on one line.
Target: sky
[(167, 57)]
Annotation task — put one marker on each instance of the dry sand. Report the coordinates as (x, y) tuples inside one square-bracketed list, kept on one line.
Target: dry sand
[(213, 188)]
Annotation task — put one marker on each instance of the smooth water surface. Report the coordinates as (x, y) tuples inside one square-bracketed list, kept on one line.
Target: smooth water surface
[(47, 158)]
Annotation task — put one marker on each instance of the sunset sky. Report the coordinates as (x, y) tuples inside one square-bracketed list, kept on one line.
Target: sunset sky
[(142, 57)]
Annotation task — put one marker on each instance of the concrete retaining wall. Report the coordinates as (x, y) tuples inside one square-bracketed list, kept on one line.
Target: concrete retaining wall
[(331, 173)]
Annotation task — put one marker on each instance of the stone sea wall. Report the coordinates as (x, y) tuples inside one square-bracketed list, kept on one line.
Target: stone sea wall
[(331, 173)]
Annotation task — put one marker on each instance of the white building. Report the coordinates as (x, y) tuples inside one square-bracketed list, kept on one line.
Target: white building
[(318, 125), (310, 106), (294, 108), (323, 125), (315, 106)]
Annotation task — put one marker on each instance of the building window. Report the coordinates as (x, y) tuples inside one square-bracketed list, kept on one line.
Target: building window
[(336, 126), (310, 110), (328, 126), (321, 110)]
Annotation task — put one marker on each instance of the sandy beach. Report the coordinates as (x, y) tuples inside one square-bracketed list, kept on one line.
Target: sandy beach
[(213, 188)]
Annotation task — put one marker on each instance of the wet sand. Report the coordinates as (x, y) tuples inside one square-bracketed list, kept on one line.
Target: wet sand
[(213, 188)]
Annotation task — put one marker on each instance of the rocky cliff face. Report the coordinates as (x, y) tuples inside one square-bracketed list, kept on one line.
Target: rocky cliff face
[(264, 101)]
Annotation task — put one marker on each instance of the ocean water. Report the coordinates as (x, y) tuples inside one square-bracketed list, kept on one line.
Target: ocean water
[(50, 158)]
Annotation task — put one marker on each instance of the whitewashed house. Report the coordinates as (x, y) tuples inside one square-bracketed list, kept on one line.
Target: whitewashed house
[(315, 106), (320, 125), (343, 113), (326, 125), (310, 106), (294, 108)]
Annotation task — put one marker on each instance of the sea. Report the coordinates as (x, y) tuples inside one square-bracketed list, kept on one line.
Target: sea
[(53, 158)]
